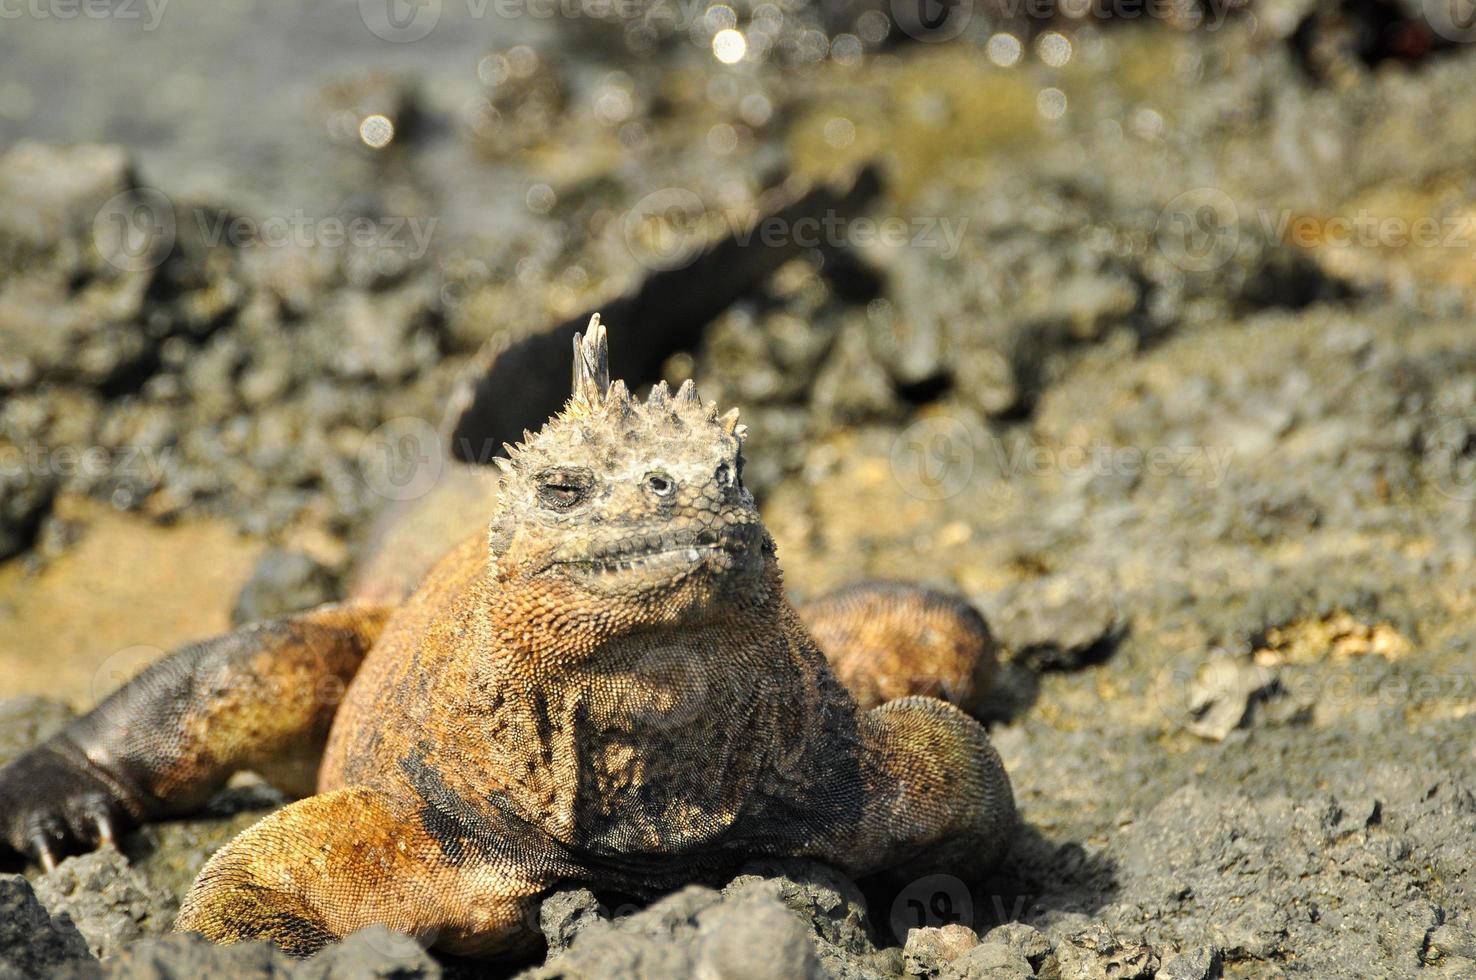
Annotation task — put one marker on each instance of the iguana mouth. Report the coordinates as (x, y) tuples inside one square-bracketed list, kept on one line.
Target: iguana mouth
[(667, 554)]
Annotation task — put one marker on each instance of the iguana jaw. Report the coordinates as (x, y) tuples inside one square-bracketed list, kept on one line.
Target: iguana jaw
[(638, 563)]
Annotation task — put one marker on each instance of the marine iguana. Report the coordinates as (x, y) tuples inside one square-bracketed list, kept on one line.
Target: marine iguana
[(605, 686)]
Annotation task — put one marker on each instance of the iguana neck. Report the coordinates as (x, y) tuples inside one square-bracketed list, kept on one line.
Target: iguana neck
[(609, 737)]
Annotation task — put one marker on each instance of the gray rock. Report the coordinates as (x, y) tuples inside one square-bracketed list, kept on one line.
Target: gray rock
[(27, 721), (1223, 695), (831, 902), (369, 953), (283, 582), (189, 955), (659, 940), (1024, 939), (565, 914), (930, 950), (1202, 963), (1097, 953), (1452, 947), (617, 954), (990, 961), (32, 941), (747, 932), (111, 903), (25, 498), (375, 952), (1055, 623), (755, 939), (671, 916), (49, 195), (1253, 876), (385, 336)]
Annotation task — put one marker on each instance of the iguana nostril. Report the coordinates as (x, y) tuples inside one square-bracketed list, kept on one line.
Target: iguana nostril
[(660, 484)]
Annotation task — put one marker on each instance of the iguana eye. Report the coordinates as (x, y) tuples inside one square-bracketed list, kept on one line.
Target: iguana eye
[(724, 475), (561, 489)]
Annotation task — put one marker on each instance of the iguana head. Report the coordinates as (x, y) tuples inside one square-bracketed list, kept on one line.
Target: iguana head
[(634, 510)]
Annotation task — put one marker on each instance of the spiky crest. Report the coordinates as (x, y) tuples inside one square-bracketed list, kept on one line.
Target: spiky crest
[(596, 396), (591, 364)]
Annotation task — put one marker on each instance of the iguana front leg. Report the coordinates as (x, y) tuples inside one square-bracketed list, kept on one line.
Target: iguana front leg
[(324, 867), (933, 794), (260, 698)]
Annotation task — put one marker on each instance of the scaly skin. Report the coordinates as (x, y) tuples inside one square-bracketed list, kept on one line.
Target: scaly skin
[(606, 686), (887, 640)]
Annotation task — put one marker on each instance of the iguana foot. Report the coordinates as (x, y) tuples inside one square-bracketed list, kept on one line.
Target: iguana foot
[(936, 794), (888, 640), (54, 802), (260, 698), (323, 867)]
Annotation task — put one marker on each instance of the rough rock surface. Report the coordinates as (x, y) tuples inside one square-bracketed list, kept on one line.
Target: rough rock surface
[(370, 954), (284, 582), (33, 942), (694, 932), (1212, 479), (109, 901)]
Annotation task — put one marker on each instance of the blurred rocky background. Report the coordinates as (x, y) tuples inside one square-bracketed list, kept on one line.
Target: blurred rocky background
[(1153, 341)]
